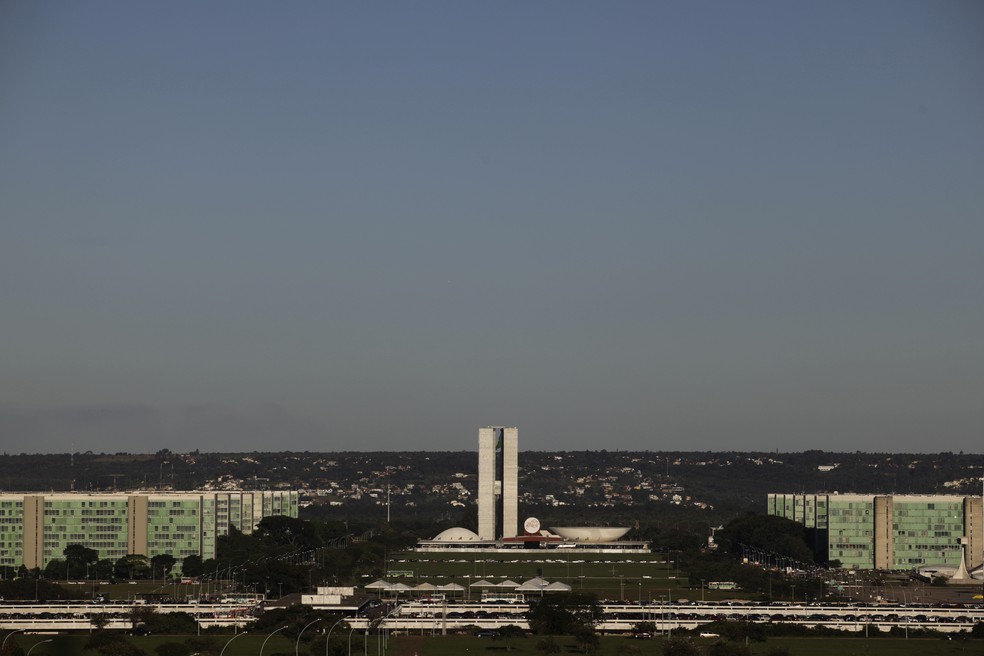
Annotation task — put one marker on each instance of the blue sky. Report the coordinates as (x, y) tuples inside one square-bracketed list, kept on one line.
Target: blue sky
[(629, 225)]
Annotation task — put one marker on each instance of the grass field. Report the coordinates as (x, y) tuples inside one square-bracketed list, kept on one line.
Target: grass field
[(610, 576), (457, 646), (73, 645), (629, 577), (249, 645)]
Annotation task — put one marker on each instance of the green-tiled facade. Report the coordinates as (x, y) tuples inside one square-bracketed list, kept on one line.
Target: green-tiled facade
[(11, 531), (174, 526), (927, 531), (36, 528), (888, 532), (98, 523), (851, 530)]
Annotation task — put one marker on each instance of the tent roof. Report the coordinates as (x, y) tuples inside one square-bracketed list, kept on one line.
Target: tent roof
[(451, 587), (558, 587)]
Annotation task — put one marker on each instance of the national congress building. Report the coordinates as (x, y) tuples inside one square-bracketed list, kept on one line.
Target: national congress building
[(498, 482), (35, 528)]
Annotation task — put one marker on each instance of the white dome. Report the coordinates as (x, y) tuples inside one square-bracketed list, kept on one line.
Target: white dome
[(590, 533), (457, 534)]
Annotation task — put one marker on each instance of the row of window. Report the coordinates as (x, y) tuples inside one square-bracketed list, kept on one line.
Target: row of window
[(82, 504), (926, 534)]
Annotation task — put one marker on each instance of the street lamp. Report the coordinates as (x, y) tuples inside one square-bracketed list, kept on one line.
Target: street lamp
[(4, 643), (230, 640), (36, 644), (340, 620), (270, 636), (297, 645), (378, 621), (350, 641)]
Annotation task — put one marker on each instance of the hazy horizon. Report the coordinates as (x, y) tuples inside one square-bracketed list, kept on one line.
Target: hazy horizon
[(695, 226)]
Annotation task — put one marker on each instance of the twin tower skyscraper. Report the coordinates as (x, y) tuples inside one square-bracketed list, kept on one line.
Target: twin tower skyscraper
[(498, 482)]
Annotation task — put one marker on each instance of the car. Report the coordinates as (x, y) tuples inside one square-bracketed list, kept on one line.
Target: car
[(486, 633)]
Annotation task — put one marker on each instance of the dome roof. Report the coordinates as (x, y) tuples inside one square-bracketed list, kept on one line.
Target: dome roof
[(457, 534), (590, 533)]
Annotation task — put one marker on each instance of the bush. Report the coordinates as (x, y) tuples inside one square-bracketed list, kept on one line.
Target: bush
[(172, 649), (680, 647), (724, 648)]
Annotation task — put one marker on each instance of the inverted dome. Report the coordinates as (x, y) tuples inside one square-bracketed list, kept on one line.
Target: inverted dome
[(590, 533), (457, 534)]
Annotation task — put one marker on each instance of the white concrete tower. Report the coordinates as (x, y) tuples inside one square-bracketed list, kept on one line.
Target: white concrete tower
[(498, 482), (486, 483), (510, 483)]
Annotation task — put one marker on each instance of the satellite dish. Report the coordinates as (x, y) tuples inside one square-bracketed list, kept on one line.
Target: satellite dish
[(531, 525)]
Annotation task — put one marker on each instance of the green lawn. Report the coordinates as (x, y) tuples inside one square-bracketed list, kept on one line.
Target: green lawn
[(632, 577), (458, 645), (73, 645), (249, 645)]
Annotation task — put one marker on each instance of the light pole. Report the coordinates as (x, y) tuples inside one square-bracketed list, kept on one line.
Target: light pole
[(350, 641), (230, 640), (297, 644), (4, 643), (270, 636), (340, 620), (36, 644), (378, 621), (365, 641)]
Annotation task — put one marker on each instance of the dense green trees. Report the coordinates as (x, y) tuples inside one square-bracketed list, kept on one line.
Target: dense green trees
[(132, 566), (777, 535), (192, 566), (162, 564), (561, 614), (80, 560)]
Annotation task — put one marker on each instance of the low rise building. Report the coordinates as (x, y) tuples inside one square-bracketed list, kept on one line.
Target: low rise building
[(891, 532), (35, 528)]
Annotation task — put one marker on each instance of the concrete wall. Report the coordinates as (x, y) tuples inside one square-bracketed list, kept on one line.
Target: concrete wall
[(486, 484), (974, 528), (136, 510), (33, 531), (884, 545), (510, 482)]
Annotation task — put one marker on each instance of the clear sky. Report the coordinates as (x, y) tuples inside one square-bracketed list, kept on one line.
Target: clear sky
[(375, 226)]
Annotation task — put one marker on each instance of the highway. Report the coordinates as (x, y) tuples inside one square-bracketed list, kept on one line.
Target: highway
[(424, 617), (79, 616), (622, 617)]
